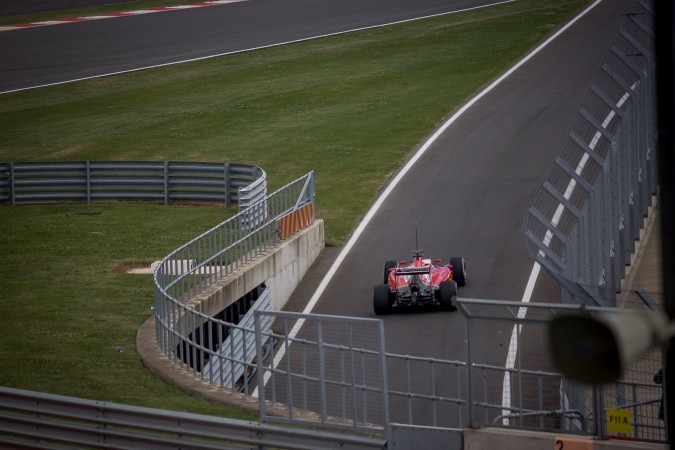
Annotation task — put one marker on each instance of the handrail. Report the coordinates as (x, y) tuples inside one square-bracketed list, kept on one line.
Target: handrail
[(232, 239), (204, 261)]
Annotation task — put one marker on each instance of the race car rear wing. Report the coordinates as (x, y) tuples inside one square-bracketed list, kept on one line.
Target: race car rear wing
[(413, 270)]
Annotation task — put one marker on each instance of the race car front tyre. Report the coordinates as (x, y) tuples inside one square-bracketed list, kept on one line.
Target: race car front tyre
[(458, 270), (381, 299), (447, 294)]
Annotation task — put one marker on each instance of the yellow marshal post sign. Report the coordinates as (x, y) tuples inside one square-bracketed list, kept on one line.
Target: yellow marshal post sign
[(618, 421)]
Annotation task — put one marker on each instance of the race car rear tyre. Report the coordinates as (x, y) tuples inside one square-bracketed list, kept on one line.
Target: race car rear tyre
[(447, 294), (381, 299), (387, 267), (458, 270)]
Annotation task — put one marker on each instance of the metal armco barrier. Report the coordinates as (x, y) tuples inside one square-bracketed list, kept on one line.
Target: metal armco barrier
[(254, 192), (109, 181), (36, 420), (582, 223)]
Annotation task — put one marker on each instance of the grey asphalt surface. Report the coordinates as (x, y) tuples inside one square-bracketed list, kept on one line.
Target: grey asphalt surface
[(53, 54)]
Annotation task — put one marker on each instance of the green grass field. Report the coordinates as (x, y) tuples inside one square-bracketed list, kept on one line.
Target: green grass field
[(352, 108)]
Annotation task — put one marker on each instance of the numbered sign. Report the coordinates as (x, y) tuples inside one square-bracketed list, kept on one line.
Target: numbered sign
[(618, 421)]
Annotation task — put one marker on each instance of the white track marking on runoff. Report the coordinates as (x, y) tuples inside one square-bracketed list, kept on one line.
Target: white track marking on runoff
[(390, 187)]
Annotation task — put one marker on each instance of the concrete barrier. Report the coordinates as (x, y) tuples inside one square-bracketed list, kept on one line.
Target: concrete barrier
[(511, 439), (280, 268)]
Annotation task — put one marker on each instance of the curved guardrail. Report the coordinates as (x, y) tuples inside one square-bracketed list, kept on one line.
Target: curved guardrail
[(110, 181)]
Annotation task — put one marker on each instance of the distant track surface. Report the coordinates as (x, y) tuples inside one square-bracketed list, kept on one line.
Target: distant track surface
[(55, 54)]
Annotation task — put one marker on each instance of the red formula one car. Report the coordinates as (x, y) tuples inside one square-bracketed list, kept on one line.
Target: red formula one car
[(420, 282)]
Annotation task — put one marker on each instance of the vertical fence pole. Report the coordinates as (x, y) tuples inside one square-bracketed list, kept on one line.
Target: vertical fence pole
[(322, 371), (469, 397), (460, 408), (352, 373), (598, 411), (226, 179), (260, 366), (385, 384), (88, 176), (12, 188), (166, 182)]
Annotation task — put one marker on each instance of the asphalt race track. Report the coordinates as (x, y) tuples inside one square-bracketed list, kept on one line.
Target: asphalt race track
[(466, 195), (52, 54)]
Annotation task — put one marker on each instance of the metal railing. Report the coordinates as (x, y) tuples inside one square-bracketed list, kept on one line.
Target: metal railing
[(527, 392), (433, 392), (325, 370), (333, 371), (582, 223), (234, 357), (216, 253), (109, 181), (220, 349)]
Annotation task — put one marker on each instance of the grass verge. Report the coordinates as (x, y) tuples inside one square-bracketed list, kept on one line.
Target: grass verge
[(351, 108)]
